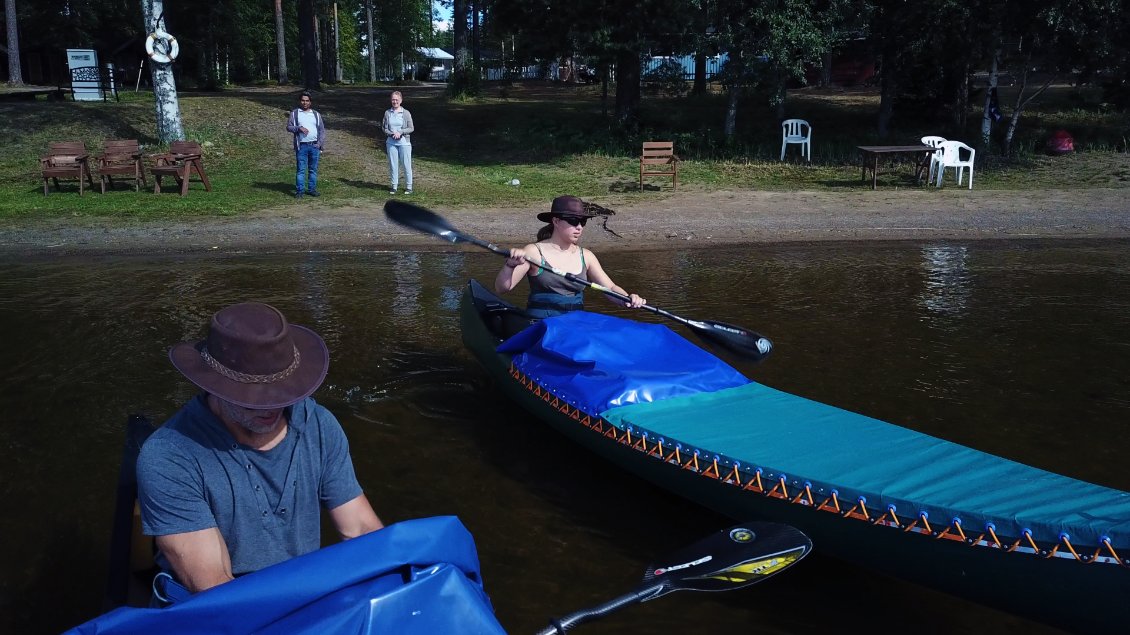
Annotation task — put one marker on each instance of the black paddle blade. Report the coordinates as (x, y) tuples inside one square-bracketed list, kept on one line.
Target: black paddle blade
[(730, 559), (421, 219), (733, 338)]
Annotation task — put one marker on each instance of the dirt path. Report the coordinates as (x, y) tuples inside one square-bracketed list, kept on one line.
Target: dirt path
[(683, 219)]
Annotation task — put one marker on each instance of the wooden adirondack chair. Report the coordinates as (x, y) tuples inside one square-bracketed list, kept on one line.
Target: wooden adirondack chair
[(658, 159), (182, 159), (121, 157), (66, 160)]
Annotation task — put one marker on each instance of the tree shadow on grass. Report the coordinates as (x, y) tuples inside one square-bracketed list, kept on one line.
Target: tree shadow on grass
[(363, 185), (851, 183), (274, 186), (626, 185)]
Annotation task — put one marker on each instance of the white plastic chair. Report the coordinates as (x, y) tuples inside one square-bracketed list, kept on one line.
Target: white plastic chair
[(952, 158), (933, 141), (797, 131)]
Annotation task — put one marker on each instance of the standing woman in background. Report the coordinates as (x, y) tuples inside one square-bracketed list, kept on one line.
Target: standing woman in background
[(398, 128)]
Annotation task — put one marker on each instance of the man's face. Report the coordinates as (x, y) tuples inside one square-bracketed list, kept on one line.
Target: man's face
[(304, 102), (254, 421)]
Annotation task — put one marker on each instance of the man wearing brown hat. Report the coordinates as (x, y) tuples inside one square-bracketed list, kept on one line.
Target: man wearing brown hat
[(235, 481)]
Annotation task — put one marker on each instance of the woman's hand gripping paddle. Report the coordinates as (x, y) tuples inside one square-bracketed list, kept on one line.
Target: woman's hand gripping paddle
[(734, 338), (730, 559)]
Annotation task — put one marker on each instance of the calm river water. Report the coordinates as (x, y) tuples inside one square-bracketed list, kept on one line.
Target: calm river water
[(1020, 349)]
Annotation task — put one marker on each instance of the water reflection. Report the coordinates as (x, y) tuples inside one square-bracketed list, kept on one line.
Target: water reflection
[(1019, 349), (406, 278), (947, 278)]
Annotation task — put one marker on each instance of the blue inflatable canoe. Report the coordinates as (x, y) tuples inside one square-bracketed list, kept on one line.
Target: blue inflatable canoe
[(979, 526)]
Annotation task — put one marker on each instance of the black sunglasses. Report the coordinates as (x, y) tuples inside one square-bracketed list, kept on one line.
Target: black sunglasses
[(574, 220)]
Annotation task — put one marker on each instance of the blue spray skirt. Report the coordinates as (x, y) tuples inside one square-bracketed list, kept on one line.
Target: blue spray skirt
[(416, 577)]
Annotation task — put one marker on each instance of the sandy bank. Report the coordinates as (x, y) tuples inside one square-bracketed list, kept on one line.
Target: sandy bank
[(683, 219)]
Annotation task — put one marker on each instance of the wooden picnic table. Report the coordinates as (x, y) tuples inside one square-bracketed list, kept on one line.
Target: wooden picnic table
[(871, 156)]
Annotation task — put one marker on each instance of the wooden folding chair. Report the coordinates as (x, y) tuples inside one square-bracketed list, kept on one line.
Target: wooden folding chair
[(658, 159), (66, 160), (121, 157), (182, 159)]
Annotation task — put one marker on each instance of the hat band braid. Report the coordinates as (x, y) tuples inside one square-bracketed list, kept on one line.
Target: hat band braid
[(245, 378)]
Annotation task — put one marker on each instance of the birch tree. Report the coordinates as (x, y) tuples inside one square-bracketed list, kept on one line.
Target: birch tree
[(15, 77), (169, 127)]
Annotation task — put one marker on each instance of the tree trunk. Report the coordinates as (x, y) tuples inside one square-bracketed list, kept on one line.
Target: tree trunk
[(604, 88), (731, 124), (372, 42), (308, 40), (961, 98), (986, 115), (699, 73), (280, 41), (211, 58), (1022, 102), (1016, 109), (627, 85), (337, 47), (169, 127), (779, 93), (886, 96), (461, 83), (15, 76), (475, 53)]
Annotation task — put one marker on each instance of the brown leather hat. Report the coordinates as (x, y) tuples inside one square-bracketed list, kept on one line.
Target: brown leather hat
[(566, 206), (254, 358)]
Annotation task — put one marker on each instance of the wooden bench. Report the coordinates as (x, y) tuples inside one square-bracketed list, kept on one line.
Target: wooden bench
[(182, 159), (121, 157), (66, 160), (658, 159)]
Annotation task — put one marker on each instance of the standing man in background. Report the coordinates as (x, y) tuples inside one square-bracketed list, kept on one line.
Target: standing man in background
[(309, 135)]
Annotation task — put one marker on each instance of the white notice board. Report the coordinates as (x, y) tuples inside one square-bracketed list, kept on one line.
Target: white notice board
[(85, 84)]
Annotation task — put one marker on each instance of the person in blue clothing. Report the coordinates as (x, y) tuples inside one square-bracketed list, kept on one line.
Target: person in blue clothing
[(236, 480), (309, 132), (558, 246)]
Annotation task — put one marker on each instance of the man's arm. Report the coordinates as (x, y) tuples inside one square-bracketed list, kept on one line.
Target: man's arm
[(199, 559), (354, 518)]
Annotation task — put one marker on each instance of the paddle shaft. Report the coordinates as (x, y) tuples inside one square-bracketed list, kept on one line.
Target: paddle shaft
[(558, 627)]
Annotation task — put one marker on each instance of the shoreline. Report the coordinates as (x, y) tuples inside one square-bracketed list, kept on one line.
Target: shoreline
[(684, 220)]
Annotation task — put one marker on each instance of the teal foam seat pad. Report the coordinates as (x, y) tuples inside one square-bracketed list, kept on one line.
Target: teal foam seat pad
[(758, 426)]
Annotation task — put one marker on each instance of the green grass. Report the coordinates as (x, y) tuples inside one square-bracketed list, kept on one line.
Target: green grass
[(553, 139)]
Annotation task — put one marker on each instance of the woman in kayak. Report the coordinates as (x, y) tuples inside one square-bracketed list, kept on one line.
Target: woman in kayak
[(557, 246)]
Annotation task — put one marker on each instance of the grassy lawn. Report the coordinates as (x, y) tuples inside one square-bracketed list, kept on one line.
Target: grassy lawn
[(553, 139)]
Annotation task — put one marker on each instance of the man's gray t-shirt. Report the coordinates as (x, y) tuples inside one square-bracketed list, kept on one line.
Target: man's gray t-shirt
[(192, 475)]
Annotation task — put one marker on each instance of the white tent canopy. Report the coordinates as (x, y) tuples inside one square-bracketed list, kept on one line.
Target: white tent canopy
[(434, 53)]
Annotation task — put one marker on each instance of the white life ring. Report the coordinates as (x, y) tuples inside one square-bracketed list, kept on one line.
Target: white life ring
[(171, 46)]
